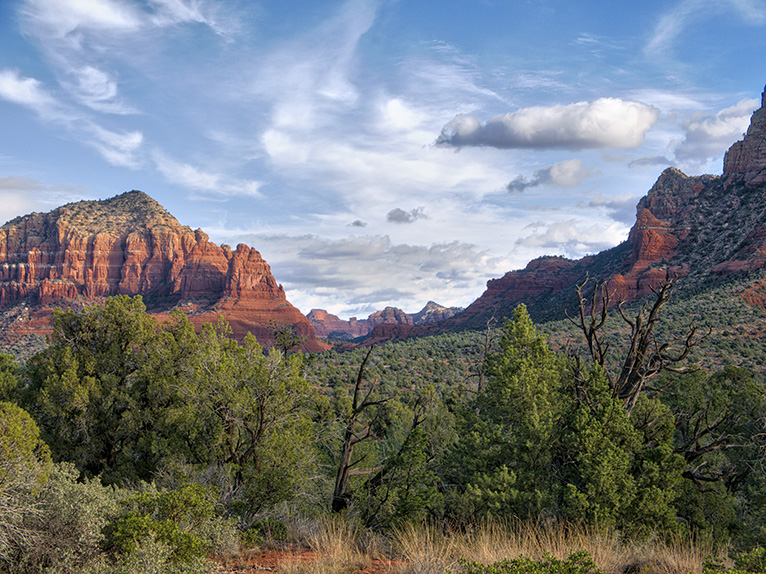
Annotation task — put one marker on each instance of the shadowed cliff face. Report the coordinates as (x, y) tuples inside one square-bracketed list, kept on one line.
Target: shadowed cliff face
[(130, 245)]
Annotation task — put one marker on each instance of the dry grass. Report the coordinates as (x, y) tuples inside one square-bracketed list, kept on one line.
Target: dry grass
[(343, 547), (433, 550)]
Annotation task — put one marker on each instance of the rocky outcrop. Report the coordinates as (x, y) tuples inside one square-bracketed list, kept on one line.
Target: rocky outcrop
[(690, 228), (433, 313), (130, 245), (330, 326), (747, 158)]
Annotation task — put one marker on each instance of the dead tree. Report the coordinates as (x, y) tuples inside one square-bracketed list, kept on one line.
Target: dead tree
[(646, 356), (353, 435)]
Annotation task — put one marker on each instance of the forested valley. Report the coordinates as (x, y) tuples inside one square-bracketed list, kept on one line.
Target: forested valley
[(133, 445)]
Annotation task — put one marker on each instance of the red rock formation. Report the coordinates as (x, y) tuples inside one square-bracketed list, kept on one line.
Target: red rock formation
[(130, 245), (675, 232), (330, 326), (747, 158)]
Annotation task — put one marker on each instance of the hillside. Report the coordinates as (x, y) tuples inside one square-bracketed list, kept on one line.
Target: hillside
[(130, 245), (702, 230)]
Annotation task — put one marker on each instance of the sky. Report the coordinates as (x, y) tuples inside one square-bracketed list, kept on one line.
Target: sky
[(376, 152)]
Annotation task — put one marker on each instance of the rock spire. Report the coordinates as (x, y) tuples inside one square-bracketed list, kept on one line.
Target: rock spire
[(747, 158)]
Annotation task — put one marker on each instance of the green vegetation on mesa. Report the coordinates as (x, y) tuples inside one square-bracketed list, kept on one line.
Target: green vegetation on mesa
[(127, 439)]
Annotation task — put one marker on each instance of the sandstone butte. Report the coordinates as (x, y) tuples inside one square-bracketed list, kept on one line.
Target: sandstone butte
[(705, 226), (82, 252)]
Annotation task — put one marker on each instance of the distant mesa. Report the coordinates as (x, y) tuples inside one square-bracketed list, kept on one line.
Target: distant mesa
[(331, 327), (129, 245)]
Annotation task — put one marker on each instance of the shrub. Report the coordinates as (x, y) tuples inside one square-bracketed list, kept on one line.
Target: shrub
[(578, 562), (182, 519)]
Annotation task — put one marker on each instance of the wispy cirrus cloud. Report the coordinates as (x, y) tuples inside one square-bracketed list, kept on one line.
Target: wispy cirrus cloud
[(27, 92), (117, 148), (198, 179), (676, 20), (603, 123)]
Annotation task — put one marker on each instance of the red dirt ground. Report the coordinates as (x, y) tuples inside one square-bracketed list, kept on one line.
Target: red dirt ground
[(273, 560)]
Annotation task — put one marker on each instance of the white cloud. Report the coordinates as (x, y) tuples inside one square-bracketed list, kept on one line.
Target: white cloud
[(68, 20), (27, 92), (118, 148), (709, 136), (398, 215), (356, 275), (169, 12), (567, 238), (567, 173), (195, 178), (22, 195), (621, 207), (307, 80), (674, 22), (603, 123), (97, 89)]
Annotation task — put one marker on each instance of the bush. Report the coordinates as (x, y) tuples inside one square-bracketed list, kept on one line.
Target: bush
[(577, 563), (752, 562), (182, 519), (262, 530)]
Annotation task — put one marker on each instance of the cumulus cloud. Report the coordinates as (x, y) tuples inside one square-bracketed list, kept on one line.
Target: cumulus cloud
[(568, 173), (708, 136), (603, 123), (398, 215), (357, 223)]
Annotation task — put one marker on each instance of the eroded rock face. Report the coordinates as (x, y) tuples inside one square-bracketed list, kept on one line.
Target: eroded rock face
[(130, 245), (703, 226), (747, 158)]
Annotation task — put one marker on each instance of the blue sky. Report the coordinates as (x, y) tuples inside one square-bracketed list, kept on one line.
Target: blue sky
[(382, 152)]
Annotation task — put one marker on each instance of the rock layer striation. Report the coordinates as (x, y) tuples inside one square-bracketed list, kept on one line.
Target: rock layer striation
[(129, 245)]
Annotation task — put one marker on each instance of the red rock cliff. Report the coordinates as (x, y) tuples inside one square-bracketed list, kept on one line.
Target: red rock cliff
[(747, 158), (130, 245)]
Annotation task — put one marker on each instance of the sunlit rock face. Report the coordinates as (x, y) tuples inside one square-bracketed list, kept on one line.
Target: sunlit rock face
[(129, 245)]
